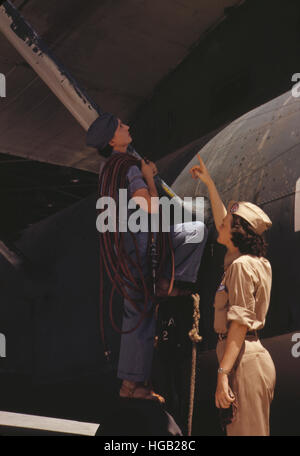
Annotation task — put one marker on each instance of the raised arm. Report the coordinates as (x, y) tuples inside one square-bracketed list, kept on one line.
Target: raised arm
[(218, 208)]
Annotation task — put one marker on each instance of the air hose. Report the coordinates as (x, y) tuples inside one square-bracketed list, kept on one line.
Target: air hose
[(113, 255)]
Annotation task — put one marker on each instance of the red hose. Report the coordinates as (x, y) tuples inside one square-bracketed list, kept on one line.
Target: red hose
[(113, 255)]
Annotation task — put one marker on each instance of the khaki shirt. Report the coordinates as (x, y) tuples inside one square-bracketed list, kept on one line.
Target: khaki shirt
[(244, 293)]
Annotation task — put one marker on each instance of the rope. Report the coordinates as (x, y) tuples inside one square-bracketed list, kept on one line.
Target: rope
[(195, 338)]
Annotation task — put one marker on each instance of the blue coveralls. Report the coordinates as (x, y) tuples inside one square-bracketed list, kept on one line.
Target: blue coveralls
[(136, 350)]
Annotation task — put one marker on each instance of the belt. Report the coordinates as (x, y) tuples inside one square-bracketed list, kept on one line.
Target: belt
[(249, 333)]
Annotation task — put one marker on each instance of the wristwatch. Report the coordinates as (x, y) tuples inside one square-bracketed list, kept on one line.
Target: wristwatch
[(223, 371)]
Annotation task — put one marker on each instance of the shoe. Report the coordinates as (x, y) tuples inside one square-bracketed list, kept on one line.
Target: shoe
[(179, 288), (163, 287), (140, 392), (162, 293)]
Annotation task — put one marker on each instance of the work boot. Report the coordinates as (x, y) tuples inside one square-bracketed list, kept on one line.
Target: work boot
[(163, 286), (138, 390)]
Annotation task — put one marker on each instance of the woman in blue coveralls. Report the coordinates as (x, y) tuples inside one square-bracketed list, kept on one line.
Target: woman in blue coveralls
[(111, 135)]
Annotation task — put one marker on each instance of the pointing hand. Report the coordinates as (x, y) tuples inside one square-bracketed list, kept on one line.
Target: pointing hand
[(200, 171)]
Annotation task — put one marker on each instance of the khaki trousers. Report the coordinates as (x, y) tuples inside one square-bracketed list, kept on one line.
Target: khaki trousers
[(253, 381)]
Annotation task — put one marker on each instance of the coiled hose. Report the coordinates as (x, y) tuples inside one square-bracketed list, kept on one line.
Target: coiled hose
[(113, 255)]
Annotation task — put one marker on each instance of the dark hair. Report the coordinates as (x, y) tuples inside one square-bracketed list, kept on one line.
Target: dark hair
[(245, 239), (106, 151)]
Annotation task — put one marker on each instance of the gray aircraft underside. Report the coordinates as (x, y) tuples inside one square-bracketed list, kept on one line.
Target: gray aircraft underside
[(257, 158)]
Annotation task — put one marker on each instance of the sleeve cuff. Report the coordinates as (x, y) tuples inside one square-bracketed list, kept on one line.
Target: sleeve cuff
[(135, 180), (241, 315), (136, 184)]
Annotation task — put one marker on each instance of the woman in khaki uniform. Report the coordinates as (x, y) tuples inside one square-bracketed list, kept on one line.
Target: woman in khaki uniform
[(246, 374)]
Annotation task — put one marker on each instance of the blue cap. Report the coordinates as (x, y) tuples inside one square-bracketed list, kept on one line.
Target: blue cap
[(102, 131)]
